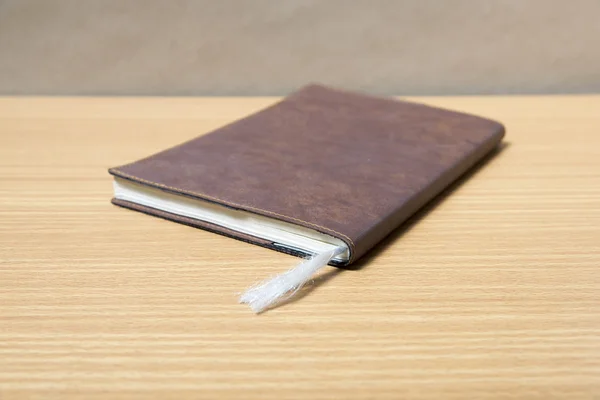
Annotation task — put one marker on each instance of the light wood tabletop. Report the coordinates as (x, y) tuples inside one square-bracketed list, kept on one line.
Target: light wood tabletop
[(494, 292)]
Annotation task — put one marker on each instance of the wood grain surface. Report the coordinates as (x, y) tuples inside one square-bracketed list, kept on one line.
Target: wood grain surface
[(493, 292)]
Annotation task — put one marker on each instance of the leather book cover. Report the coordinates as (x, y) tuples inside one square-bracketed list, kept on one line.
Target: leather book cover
[(348, 165)]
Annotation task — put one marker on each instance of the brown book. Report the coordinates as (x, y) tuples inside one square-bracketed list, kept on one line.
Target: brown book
[(322, 169)]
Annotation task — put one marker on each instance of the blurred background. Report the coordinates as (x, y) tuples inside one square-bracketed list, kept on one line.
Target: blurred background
[(270, 47)]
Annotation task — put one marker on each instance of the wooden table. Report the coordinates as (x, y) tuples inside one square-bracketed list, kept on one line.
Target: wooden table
[(493, 293)]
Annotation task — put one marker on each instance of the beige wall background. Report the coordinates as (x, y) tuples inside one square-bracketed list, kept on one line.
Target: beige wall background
[(153, 47)]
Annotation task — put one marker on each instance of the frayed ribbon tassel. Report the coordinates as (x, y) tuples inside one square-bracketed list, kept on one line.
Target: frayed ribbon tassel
[(270, 292)]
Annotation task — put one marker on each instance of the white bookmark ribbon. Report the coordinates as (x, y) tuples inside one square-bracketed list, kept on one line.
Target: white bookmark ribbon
[(271, 291)]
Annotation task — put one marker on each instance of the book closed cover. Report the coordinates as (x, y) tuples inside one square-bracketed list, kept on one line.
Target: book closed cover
[(345, 168)]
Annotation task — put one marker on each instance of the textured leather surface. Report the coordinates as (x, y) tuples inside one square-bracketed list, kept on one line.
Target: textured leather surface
[(346, 164)]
